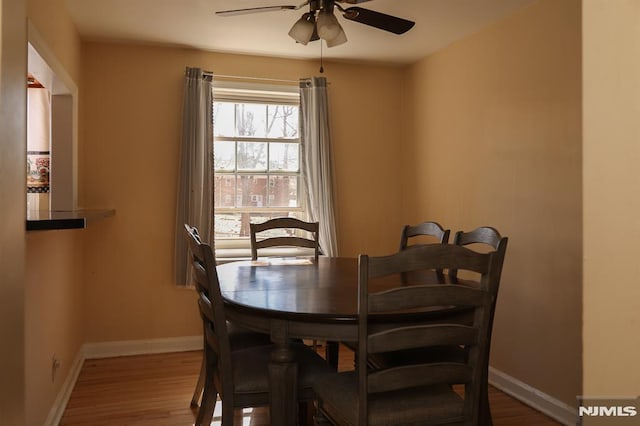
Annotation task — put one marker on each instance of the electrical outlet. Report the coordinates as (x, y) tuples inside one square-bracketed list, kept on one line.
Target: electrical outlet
[(55, 365)]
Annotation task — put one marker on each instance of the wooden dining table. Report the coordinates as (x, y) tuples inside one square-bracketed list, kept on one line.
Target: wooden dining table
[(301, 298)]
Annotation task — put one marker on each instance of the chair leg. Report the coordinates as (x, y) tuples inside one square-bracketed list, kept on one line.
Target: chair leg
[(484, 411), (227, 412), (319, 419), (484, 414), (302, 413), (197, 392), (208, 404), (331, 354), (207, 407)]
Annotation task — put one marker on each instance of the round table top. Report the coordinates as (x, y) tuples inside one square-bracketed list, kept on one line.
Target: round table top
[(324, 290)]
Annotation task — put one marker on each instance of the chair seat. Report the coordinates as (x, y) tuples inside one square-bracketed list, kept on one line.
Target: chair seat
[(425, 405), (251, 375)]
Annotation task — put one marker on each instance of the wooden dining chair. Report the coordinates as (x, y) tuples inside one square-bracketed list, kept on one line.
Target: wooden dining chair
[(482, 236), (425, 229), (292, 227), (431, 229), (419, 391), (239, 377), (239, 337), (284, 232), (436, 234)]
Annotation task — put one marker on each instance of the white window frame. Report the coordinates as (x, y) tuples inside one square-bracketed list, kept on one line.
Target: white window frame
[(228, 249)]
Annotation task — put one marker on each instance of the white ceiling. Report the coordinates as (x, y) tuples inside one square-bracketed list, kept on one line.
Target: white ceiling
[(193, 23)]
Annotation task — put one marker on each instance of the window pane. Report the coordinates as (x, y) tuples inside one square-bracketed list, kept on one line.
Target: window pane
[(252, 191), (284, 156), (283, 191), (251, 172), (224, 156), (227, 225), (282, 121), (236, 225), (251, 120), (252, 156), (224, 190), (223, 118)]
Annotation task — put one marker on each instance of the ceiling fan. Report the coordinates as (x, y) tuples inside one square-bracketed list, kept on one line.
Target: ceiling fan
[(321, 23)]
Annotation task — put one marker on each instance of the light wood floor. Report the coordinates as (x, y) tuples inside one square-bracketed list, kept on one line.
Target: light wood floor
[(155, 390)]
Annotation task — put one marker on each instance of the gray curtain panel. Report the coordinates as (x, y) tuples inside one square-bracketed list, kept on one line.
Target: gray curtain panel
[(317, 160), (195, 186)]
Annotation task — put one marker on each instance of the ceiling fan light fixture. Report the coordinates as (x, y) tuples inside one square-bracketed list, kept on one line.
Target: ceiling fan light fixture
[(328, 26), (302, 31), (341, 38)]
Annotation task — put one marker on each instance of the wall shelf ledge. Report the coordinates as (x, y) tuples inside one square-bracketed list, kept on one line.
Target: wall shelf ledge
[(43, 220)]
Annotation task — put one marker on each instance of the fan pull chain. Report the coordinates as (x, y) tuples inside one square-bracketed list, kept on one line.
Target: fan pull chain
[(321, 67)]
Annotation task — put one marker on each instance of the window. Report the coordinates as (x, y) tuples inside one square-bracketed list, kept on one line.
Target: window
[(257, 159)]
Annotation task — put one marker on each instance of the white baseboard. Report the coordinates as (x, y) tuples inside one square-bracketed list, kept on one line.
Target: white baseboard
[(531, 396), (113, 349), (139, 347), (57, 410)]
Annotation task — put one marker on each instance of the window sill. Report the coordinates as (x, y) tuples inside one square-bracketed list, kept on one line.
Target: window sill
[(226, 255)]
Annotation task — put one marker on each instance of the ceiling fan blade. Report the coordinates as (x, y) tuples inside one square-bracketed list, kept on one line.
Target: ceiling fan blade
[(379, 20), (257, 10)]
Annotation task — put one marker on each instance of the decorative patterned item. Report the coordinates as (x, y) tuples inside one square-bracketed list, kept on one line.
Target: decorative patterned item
[(38, 168), (38, 139)]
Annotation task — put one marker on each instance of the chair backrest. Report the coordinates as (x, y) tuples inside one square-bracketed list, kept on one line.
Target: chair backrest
[(289, 224), (484, 235), (433, 229), (211, 307), (430, 332), (194, 236)]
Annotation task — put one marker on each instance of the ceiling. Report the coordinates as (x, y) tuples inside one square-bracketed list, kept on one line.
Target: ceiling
[(193, 23)]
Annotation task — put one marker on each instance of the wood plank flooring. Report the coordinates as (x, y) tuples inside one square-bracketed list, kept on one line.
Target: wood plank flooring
[(155, 390)]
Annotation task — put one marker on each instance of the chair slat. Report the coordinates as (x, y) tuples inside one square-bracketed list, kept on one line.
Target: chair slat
[(284, 242), (430, 256), (425, 296), (422, 336), (432, 229), (483, 235), (285, 222), (403, 377)]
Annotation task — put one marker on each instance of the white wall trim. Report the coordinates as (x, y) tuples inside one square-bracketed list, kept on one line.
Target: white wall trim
[(139, 347), (533, 397), (113, 349), (57, 410)]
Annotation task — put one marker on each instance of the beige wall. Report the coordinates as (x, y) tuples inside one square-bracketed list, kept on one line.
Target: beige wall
[(13, 142), (54, 315), (508, 97), (494, 138), (53, 282), (611, 198), (132, 107), (53, 22)]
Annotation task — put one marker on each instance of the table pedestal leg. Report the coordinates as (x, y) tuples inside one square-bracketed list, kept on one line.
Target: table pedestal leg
[(283, 382)]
